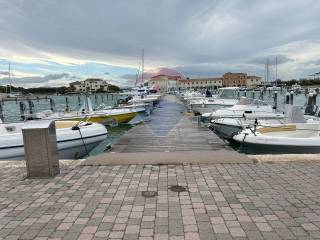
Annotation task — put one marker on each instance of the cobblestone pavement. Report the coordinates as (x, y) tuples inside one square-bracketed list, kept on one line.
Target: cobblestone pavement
[(222, 201)]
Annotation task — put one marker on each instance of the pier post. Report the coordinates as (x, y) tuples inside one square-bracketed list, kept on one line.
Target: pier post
[(79, 101), (30, 107), (253, 93), (245, 93), (261, 95), (287, 98), (312, 99), (52, 105), (291, 97), (1, 111), (40, 145), (275, 100), (67, 105), (22, 109), (95, 98)]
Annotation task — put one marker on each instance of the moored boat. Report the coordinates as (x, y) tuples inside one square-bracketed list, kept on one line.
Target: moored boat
[(285, 138), (74, 139)]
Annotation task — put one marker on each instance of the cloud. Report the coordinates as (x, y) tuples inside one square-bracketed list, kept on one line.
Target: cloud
[(201, 34), (5, 73), (128, 76), (38, 80), (315, 62), (106, 73), (280, 59)]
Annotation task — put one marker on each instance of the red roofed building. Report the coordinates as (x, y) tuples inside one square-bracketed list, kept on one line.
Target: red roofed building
[(164, 83)]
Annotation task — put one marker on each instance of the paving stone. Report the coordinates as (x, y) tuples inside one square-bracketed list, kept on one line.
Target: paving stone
[(224, 201)]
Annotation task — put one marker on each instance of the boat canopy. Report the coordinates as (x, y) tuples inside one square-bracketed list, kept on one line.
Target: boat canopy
[(251, 101)]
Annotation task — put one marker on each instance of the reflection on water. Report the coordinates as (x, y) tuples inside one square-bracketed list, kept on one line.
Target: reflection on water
[(114, 133)]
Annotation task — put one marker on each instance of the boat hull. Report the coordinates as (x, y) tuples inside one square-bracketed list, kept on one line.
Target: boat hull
[(225, 131), (71, 144), (105, 119), (278, 149)]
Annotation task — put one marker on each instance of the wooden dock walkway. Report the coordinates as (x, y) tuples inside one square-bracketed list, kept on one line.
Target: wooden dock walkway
[(172, 132)]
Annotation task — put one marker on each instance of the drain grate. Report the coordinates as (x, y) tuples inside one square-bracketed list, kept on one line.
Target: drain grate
[(177, 188), (149, 194)]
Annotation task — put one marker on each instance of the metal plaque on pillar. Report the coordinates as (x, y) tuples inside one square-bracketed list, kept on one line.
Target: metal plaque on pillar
[(40, 145)]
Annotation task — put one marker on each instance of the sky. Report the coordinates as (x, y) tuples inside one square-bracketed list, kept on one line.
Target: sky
[(55, 42)]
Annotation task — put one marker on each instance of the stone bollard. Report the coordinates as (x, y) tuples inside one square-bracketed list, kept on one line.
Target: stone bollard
[(40, 146)]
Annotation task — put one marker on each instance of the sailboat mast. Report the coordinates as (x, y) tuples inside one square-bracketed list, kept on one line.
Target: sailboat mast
[(267, 71), (142, 66), (276, 70), (9, 76)]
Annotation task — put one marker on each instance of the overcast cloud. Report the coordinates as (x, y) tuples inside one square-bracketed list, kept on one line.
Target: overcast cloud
[(199, 38)]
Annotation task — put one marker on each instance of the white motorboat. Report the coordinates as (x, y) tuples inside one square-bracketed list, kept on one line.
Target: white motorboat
[(74, 139), (226, 97), (285, 138), (252, 108), (154, 99), (227, 126)]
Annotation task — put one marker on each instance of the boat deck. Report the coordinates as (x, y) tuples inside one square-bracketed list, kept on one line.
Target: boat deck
[(170, 136)]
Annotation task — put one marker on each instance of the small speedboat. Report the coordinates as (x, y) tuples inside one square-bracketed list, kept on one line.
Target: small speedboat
[(154, 99), (284, 138), (226, 128), (74, 139), (226, 97), (228, 125), (247, 106)]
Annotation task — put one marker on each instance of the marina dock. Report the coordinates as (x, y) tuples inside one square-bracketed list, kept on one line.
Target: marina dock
[(165, 179), (169, 137)]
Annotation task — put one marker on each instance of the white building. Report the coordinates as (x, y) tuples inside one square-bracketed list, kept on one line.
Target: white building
[(90, 85), (253, 81), (212, 83)]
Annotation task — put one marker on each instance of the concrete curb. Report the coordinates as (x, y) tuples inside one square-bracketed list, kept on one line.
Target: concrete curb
[(182, 157)]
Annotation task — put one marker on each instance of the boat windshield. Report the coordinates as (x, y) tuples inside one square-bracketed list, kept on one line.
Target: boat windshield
[(228, 93), (251, 101)]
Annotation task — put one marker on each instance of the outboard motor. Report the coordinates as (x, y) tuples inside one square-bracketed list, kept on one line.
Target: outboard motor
[(208, 93)]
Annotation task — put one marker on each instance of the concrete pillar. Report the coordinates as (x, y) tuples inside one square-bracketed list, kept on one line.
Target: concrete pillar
[(40, 146)]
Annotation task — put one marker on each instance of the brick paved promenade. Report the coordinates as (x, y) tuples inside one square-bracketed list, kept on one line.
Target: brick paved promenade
[(222, 201)]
